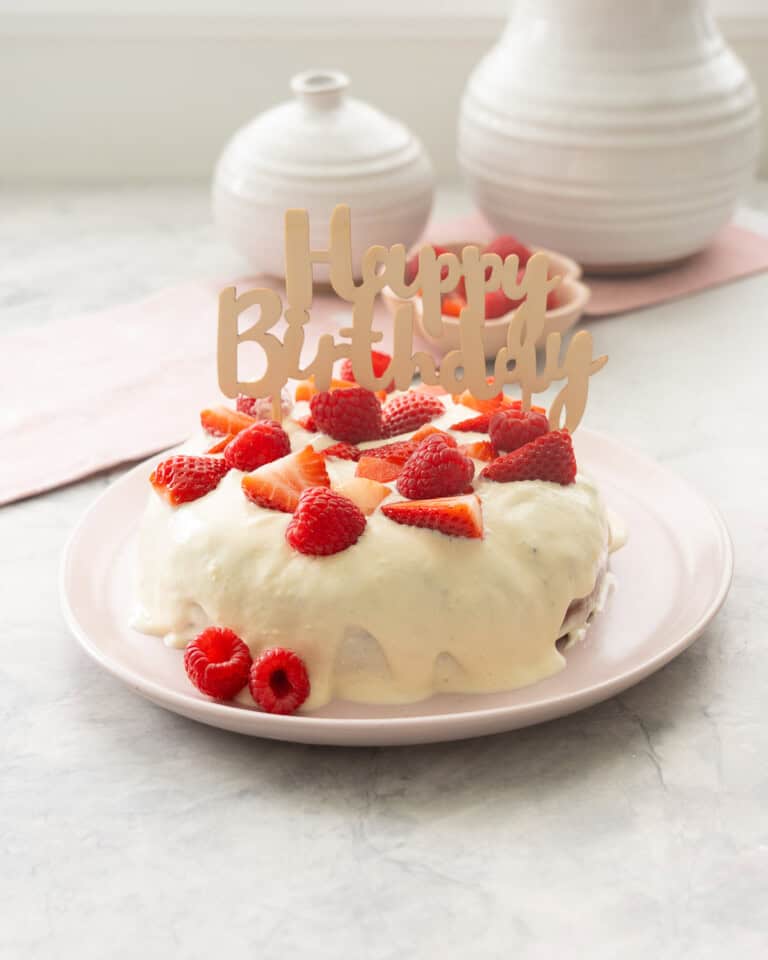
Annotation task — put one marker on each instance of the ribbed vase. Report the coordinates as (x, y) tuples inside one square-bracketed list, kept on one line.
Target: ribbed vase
[(620, 133)]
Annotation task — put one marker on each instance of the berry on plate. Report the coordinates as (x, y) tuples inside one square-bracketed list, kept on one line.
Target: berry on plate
[(343, 451), (364, 493), (324, 522), (511, 428), (218, 662), (353, 414), (377, 468), (221, 420), (549, 457), (278, 485), (409, 411), (185, 478), (379, 363), (436, 469), (453, 516), (279, 681), (261, 443)]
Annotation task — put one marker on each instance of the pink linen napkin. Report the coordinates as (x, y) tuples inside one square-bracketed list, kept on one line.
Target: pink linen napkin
[(84, 394)]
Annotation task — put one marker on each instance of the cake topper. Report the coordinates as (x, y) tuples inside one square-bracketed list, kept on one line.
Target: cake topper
[(461, 369)]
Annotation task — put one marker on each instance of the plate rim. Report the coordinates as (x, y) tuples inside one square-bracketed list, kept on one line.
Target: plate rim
[(291, 727)]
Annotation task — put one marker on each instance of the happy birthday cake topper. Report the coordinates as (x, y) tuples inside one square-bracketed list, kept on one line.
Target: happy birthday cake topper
[(460, 369)]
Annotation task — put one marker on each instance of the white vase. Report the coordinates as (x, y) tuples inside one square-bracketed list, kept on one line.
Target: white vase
[(621, 133), (316, 151)]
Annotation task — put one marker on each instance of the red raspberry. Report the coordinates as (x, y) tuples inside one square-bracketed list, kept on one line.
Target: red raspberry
[(183, 478), (217, 662), (549, 457), (379, 363), (324, 523), (510, 428), (262, 443), (353, 414), (343, 451), (409, 411), (278, 681), (436, 469)]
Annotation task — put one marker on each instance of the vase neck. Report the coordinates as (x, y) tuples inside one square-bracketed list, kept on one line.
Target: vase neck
[(320, 89)]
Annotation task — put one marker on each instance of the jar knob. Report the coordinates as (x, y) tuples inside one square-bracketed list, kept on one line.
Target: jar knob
[(320, 89)]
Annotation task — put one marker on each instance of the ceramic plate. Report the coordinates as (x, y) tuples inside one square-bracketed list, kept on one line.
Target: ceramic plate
[(672, 578)]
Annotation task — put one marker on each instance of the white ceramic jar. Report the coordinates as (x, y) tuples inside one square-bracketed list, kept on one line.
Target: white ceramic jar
[(621, 133), (321, 149)]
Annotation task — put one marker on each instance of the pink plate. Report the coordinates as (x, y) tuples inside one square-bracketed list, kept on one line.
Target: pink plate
[(673, 576)]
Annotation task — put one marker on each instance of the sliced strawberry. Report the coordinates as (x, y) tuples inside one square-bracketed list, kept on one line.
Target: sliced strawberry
[(379, 363), (366, 494), (429, 430), (181, 479), (307, 423), (474, 424), (409, 411), (548, 457), (221, 445), (374, 468), (498, 402), (221, 421), (481, 450), (397, 452), (278, 485), (455, 516), (306, 389), (507, 245), (452, 305)]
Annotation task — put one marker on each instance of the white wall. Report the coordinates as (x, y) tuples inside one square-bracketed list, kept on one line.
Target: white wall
[(89, 91)]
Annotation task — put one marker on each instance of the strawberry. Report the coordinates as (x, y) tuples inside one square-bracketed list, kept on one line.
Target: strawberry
[(353, 414), (261, 407), (343, 451), (374, 468), (429, 430), (306, 389), (548, 457), (221, 445), (436, 469), (511, 428), (497, 303), (452, 305), (481, 450), (379, 363), (454, 516), (184, 478), (325, 522), (218, 662), (307, 423), (474, 424), (506, 245), (364, 493), (221, 420), (397, 452), (409, 411), (412, 266), (262, 443), (491, 405), (277, 485), (279, 681)]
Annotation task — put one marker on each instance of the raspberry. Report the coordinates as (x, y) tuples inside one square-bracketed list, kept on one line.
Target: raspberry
[(325, 522), (510, 429), (549, 457), (453, 516), (262, 443), (409, 411), (183, 478), (278, 681), (217, 662), (353, 414), (436, 469), (343, 451), (379, 363), (474, 424)]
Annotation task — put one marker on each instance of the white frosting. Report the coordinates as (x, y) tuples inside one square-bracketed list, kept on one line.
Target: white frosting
[(403, 613)]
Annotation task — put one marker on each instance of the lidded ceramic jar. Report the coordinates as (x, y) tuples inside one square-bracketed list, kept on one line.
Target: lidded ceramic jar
[(316, 151), (618, 132)]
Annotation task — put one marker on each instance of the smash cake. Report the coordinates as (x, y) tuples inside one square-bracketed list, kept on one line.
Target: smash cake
[(372, 547)]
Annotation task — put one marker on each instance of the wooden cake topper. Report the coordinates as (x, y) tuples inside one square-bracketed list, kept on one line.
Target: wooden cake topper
[(461, 369)]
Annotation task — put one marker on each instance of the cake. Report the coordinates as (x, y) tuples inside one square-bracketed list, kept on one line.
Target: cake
[(371, 548)]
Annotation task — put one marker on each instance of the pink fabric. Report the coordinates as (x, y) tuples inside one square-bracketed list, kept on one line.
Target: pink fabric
[(85, 394)]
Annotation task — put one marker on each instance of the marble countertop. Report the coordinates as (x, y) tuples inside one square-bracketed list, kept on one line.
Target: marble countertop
[(636, 828)]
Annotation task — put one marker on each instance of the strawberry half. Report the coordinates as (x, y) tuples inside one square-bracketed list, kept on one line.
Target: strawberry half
[(184, 478), (480, 450), (453, 516), (409, 411), (343, 451), (474, 424), (364, 493), (375, 468), (379, 363), (221, 420), (549, 457), (278, 485)]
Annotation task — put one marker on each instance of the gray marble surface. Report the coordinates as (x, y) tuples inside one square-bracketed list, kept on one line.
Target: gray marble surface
[(637, 828)]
